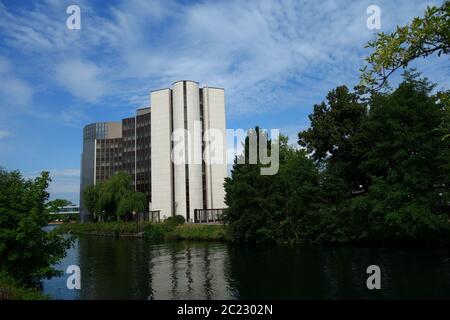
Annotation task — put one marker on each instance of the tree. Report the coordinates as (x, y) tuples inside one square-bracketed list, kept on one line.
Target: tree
[(421, 38), (114, 197), (408, 163), (57, 204), (278, 208), (249, 213), (335, 137), (90, 198), (27, 252), (131, 201)]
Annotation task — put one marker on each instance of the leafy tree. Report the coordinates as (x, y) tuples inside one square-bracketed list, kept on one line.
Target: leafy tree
[(131, 201), (90, 198), (114, 197), (27, 252), (335, 137), (57, 204), (421, 38), (272, 208), (371, 169), (408, 163)]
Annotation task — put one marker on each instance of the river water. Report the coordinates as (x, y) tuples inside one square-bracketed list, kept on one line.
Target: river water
[(136, 269)]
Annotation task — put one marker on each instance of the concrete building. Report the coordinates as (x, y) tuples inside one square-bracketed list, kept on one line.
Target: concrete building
[(149, 147)]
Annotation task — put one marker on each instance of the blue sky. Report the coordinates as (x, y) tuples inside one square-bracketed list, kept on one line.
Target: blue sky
[(275, 59)]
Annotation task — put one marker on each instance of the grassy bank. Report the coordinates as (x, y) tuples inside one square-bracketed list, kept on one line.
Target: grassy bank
[(10, 290), (156, 232), (102, 229), (216, 232)]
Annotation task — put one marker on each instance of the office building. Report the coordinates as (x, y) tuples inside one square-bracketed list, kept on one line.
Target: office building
[(148, 146)]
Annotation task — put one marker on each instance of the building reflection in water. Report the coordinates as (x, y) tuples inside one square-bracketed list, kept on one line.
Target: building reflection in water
[(188, 271)]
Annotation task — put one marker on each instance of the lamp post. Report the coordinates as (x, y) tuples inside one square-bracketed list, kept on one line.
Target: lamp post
[(137, 222)]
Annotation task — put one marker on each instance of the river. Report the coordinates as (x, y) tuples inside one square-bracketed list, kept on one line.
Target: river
[(135, 269)]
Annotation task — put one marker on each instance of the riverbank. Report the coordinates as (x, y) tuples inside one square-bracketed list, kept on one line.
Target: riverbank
[(10, 290), (154, 231)]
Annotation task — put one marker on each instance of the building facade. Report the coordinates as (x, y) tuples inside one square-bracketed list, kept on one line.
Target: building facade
[(166, 150)]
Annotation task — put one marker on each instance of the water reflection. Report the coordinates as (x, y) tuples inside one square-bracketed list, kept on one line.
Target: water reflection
[(135, 269)]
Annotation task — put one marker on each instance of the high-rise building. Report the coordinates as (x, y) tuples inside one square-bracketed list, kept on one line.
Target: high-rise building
[(181, 123)]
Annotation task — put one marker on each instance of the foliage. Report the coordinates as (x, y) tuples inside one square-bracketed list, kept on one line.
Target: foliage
[(263, 208), (370, 169), (175, 220), (114, 197), (154, 232), (113, 228), (212, 232), (11, 290), (27, 252), (57, 204), (421, 38)]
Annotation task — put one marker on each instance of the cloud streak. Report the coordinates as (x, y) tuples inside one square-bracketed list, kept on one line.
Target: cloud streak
[(256, 50)]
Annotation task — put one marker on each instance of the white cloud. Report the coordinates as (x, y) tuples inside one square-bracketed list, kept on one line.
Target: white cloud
[(65, 183), (255, 50), (4, 134), (14, 92), (83, 79)]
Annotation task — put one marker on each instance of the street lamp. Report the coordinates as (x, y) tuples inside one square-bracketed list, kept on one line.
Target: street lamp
[(137, 222)]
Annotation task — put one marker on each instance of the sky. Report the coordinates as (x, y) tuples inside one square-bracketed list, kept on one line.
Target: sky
[(275, 60)]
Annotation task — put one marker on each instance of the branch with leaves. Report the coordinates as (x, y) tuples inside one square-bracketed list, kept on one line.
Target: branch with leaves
[(419, 39)]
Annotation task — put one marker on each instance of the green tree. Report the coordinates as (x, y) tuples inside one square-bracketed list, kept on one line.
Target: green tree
[(408, 163), (114, 197), (57, 204), (90, 199), (131, 201), (421, 38), (335, 138), (27, 252), (278, 208)]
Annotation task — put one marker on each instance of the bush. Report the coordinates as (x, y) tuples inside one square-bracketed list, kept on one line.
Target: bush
[(198, 232), (155, 232), (175, 220), (11, 290)]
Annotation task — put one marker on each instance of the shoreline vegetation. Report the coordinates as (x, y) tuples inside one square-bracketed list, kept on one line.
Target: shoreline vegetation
[(156, 232), (11, 290)]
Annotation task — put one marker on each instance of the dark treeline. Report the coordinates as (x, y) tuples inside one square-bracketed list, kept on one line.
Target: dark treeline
[(370, 168)]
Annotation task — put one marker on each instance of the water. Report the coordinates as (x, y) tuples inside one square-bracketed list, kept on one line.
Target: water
[(135, 269)]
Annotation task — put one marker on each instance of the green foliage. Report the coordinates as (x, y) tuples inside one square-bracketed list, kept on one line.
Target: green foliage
[(261, 208), (57, 204), (114, 198), (11, 290), (421, 38), (27, 252), (372, 169), (131, 202), (154, 232), (175, 220), (197, 232), (113, 228)]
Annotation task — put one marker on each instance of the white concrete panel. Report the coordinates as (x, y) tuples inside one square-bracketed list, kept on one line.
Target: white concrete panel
[(214, 105), (179, 145), (161, 167), (194, 147)]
